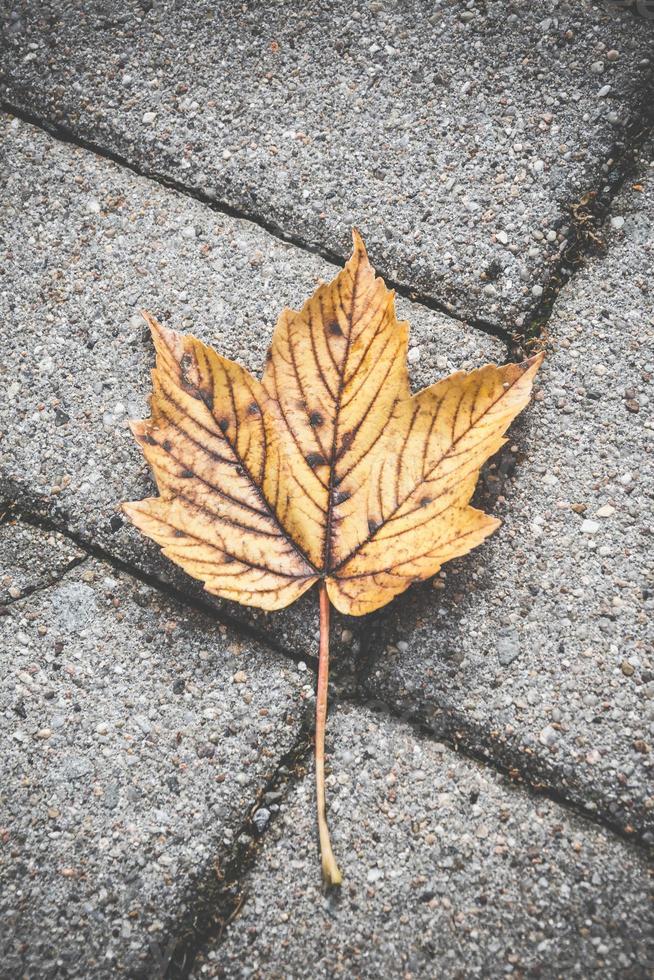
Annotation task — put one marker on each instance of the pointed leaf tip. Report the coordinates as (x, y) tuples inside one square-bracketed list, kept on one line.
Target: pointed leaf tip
[(357, 241)]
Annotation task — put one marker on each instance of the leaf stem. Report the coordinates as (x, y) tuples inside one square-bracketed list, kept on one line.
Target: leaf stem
[(330, 871)]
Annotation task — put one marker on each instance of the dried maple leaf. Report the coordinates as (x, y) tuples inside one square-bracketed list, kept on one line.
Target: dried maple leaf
[(327, 470)]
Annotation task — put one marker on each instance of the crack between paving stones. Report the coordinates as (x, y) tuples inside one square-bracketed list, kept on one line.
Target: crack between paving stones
[(31, 590), (46, 523), (217, 898), (447, 725), (517, 779), (454, 730), (588, 215), (66, 134)]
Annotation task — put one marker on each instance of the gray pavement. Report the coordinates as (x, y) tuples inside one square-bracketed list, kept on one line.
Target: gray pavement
[(142, 719), (91, 245), (449, 872), (539, 650), (454, 134), (136, 735)]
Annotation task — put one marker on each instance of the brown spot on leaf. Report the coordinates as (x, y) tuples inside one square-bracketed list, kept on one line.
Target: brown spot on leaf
[(223, 424), (185, 365), (207, 398), (334, 329), (167, 445), (315, 459), (316, 419), (346, 442)]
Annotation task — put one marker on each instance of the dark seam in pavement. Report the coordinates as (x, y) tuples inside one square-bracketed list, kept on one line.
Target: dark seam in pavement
[(219, 895), (587, 216), (44, 586), (454, 728), (46, 523), (65, 134), (519, 780), (216, 898), (455, 731)]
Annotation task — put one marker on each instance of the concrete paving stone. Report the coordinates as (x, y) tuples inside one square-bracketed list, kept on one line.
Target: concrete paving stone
[(540, 648), (87, 245), (136, 735), (455, 134), (30, 560), (449, 873)]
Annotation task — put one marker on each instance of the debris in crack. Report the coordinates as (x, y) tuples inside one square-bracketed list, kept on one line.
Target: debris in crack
[(260, 819), (587, 219), (218, 898)]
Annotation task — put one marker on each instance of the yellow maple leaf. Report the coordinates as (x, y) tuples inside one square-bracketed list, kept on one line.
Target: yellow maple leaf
[(328, 470)]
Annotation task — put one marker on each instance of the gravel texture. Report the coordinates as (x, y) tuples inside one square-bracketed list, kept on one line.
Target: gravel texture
[(135, 737), (30, 561), (137, 730), (456, 134), (540, 649), (90, 245), (449, 873)]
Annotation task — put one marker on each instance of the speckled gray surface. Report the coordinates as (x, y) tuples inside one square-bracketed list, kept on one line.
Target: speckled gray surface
[(30, 561), (138, 731), (91, 244), (454, 133), (541, 648), (136, 734), (449, 873)]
